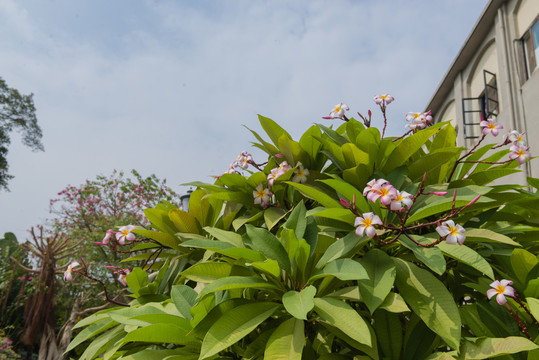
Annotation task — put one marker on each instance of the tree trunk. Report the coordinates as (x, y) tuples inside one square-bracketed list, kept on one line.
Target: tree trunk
[(64, 336), (47, 346)]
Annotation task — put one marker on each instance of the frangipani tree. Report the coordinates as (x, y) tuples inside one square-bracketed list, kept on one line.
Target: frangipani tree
[(344, 244)]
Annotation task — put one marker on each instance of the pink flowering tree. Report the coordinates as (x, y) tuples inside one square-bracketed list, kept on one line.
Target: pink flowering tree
[(343, 244)]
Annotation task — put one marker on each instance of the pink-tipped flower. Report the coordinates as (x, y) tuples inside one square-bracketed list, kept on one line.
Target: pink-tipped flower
[(383, 99), (489, 126), (300, 174), (438, 193), (515, 137), (520, 153), (337, 112), (125, 233), (344, 203), (418, 120), (262, 196), (454, 233), (501, 289), (365, 224), (69, 271), (244, 159), (106, 239), (386, 193), (122, 277), (284, 167), (402, 198), (279, 156), (371, 183)]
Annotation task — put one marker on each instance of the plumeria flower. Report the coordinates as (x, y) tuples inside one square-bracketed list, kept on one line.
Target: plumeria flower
[(274, 174), (371, 183), (386, 193), (284, 167), (386, 99), (262, 196), (243, 160), (520, 153), (125, 234), (366, 224), (515, 137), (337, 112), (107, 237), (402, 198), (300, 174), (69, 271), (454, 233), (122, 277), (489, 126), (501, 289)]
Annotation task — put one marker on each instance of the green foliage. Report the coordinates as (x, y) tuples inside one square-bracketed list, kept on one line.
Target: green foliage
[(293, 280)]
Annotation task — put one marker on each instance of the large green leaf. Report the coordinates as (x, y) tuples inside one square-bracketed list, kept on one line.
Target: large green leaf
[(487, 348), (226, 236), (297, 221), (286, 342), (91, 331), (389, 332), (430, 300), (161, 333), (348, 191), (432, 257), (234, 325), (184, 298), (273, 130), (343, 269), (533, 305), (206, 272), (381, 276), (237, 282), (485, 235), (341, 248), (298, 304), (315, 194), (522, 262), (339, 314), (269, 245), (136, 279), (467, 256), (162, 238)]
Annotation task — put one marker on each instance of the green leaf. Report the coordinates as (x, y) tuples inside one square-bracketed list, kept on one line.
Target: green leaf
[(348, 191), (184, 298), (297, 221), (467, 256), (340, 214), (341, 247), (227, 236), (206, 272), (269, 245), (234, 325), (353, 156), (394, 303), (408, 146), (268, 266), (533, 305), (381, 276), (315, 194), (207, 244), (273, 130), (91, 331), (340, 315), (389, 332), (162, 238), (293, 151), (523, 262), (432, 257), (430, 300), (160, 220), (343, 269), (485, 235), (431, 163), (136, 279), (161, 333), (298, 304), (237, 282), (273, 215), (309, 143), (286, 342), (487, 348)]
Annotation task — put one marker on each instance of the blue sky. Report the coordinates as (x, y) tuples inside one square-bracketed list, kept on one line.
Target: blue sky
[(165, 86)]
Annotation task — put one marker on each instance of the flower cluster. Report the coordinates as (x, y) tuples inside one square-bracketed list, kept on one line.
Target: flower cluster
[(241, 163), (518, 149), (337, 112), (418, 120), (388, 195), (501, 289), (454, 233), (263, 196)]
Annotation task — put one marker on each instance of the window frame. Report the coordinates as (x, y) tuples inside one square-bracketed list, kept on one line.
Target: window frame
[(528, 50)]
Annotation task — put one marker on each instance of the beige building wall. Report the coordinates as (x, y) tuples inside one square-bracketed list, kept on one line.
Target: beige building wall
[(495, 45)]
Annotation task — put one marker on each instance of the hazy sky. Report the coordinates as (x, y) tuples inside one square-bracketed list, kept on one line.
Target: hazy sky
[(164, 87)]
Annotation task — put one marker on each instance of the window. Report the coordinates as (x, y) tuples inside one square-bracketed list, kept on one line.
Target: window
[(530, 43), (479, 108)]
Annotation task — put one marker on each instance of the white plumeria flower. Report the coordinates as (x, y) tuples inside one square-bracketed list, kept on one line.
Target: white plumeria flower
[(366, 224), (386, 193), (262, 196), (385, 98), (516, 138), (371, 183), (125, 233), (402, 198), (489, 126), (520, 153), (337, 112), (284, 167), (300, 174), (122, 277), (69, 271), (454, 233), (501, 289)]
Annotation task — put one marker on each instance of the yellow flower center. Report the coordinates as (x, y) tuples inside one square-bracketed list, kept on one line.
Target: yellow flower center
[(367, 222), (384, 191), (125, 232), (261, 193), (492, 126), (453, 231), (337, 109), (500, 289), (416, 115), (520, 152)]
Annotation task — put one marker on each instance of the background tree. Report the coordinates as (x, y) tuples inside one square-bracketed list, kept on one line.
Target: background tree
[(17, 112)]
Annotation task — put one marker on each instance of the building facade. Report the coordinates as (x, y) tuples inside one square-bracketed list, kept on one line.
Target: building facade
[(496, 73)]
